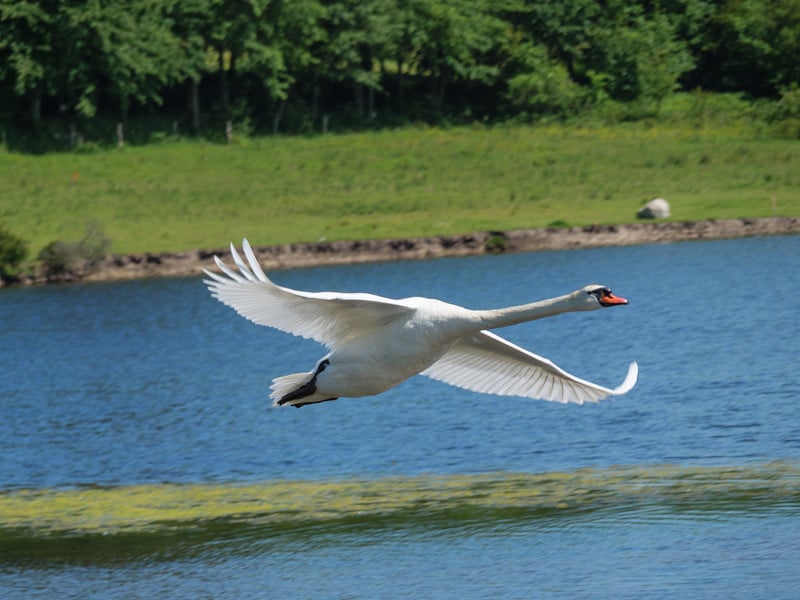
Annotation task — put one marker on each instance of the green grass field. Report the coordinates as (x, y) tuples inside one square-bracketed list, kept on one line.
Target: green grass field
[(416, 181)]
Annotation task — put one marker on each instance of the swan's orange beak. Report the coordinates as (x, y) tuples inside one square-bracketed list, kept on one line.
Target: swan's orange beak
[(609, 299)]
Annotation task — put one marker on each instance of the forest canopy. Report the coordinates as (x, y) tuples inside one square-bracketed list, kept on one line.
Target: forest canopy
[(287, 66)]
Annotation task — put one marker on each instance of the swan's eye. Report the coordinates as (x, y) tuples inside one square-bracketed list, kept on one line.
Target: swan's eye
[(600, 293)]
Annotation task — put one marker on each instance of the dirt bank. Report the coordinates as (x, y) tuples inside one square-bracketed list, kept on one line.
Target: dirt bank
[(117, 267)]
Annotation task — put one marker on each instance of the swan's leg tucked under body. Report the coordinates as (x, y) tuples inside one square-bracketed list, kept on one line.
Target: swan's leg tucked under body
[(302, 386)]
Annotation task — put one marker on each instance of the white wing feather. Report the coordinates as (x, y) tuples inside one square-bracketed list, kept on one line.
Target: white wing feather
[(486, 363), (326, 317)]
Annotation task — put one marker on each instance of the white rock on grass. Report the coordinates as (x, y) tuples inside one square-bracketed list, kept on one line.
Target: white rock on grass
[(657, 208)]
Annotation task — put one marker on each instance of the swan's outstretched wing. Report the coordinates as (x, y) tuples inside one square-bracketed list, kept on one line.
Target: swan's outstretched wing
[(486, 363), (327, 317)]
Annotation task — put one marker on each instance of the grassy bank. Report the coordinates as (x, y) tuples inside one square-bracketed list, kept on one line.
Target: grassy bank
[(418, 181)]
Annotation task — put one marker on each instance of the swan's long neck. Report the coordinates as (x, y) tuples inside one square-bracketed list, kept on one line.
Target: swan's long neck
[(503, 317)]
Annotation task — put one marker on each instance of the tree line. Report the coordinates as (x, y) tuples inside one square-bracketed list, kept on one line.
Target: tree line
[(288, 65)]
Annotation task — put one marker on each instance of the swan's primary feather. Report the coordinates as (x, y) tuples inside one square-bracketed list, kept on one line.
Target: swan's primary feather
[(486, 363), (326, 317)]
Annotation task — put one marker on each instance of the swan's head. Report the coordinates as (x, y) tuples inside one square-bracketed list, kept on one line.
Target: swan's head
[(598, 296)]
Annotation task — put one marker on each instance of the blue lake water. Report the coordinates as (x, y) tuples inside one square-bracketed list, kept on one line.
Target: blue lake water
[(151, 383)]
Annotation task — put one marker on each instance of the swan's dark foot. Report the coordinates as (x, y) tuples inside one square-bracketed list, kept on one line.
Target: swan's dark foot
[(301, 392), (317, 402)]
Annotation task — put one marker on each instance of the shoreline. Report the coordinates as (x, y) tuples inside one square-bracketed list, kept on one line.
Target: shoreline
[(298, 255)]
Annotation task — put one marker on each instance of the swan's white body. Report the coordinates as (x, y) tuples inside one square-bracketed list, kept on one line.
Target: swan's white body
[(376, 343)]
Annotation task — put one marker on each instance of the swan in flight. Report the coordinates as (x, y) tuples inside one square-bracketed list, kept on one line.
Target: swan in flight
[(376, 343)]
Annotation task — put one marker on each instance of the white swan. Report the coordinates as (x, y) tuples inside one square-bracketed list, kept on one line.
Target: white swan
[(376, 343)]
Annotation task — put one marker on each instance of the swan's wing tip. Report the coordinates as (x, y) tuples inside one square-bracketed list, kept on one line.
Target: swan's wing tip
[(630, 380)]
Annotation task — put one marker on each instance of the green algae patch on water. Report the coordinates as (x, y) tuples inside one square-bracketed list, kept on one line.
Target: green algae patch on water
[(425, 500)]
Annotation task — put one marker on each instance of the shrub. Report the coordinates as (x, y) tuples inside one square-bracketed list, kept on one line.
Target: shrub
[(62, 257), (13, 251), (785, 114), (496, 243)]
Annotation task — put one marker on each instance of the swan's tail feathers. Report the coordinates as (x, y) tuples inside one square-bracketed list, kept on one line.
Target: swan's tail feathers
[(297, 389), (283, 387), (630, 380)]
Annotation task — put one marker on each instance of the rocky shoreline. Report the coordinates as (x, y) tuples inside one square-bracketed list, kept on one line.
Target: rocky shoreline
[(173, 264)]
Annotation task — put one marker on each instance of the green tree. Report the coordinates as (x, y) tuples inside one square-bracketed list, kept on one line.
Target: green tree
[(267, 41), (298, 34), (235, 34), (752, 46), (641, 57), (453, 42), (191, 28), (661, 58), (356, 42), (129, 44), (279, 46), (543, 85), (28, 50), (567, 30), (630, 50)]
